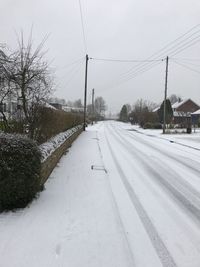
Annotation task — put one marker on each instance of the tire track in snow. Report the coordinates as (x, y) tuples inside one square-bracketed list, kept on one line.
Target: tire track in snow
[(163, 253), (176, 177), (188, 198), (117, 214)]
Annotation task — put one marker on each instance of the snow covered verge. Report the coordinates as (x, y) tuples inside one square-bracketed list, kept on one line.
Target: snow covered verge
[(191, 140), (55, 142)]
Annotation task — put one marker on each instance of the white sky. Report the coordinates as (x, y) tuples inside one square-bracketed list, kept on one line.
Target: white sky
[(122, 29)]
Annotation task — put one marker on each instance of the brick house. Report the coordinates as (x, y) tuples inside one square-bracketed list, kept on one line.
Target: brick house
[(182, 112)]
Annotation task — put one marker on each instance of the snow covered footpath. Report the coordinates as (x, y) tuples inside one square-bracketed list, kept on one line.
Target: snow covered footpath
[(74, 222)]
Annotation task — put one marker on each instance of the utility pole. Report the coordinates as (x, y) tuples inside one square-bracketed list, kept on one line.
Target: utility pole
[(92, 105), (166, 82), (85, 93)]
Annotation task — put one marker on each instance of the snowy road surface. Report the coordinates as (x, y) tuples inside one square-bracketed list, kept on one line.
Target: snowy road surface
[(118, 198)]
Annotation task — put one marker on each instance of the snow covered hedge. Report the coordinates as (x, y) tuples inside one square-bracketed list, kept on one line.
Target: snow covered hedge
[(20, 165)]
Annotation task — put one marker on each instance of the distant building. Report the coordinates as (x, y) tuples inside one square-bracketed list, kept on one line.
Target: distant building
[(196, 117), (182, 111), (56, 105), (72, 109), (156, 109)]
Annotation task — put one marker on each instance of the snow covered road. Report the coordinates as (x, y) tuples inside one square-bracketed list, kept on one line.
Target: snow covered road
[(162, 182), (138, 206)]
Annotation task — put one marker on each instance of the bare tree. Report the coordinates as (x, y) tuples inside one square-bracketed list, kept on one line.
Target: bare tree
[(174, 98), (77, 103), (100, 106), (30, 76), (5, 87), (142, 112)]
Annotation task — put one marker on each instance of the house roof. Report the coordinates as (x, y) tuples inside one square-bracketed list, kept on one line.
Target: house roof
[(178, 104), (196, 112), (47, 105), (156, 109)]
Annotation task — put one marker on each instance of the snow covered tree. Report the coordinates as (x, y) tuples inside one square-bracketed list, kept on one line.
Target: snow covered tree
[(169, 112), (123, 116)]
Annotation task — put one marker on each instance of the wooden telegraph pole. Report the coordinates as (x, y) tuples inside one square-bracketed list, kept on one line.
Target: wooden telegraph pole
[(85, 93), (165, 98), (92, 105)]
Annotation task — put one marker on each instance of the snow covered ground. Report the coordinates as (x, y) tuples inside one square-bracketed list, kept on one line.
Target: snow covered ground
[(118, 198), (192, 139)]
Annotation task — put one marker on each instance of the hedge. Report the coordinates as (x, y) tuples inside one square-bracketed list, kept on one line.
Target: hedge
[(20, 167), (52, 122)]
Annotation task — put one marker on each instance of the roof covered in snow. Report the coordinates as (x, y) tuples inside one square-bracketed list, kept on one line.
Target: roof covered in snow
[(47, 105), (196, 112), (156, 109), (178, 104)]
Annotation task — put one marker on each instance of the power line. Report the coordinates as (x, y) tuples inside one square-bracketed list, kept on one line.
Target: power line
[(186, 59), (174, 41), (191, 63), (180, 44), (83, 28), (71, 69), (72, 63), (76, 70), (134, 76), (124, 60), (165, 49), (184, 48), (185, 66), (174, 46)]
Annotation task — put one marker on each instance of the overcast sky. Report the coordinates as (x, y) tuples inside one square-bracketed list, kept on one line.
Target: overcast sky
[(118, 29)]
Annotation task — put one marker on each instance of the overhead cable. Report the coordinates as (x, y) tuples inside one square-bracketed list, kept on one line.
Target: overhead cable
[(172, 47), (72, 64), (83, 28), (185, 66), (124, 60)]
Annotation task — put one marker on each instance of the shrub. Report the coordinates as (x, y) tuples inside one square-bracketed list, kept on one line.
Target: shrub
[(19, 171), (149, 125), (157, 125)]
